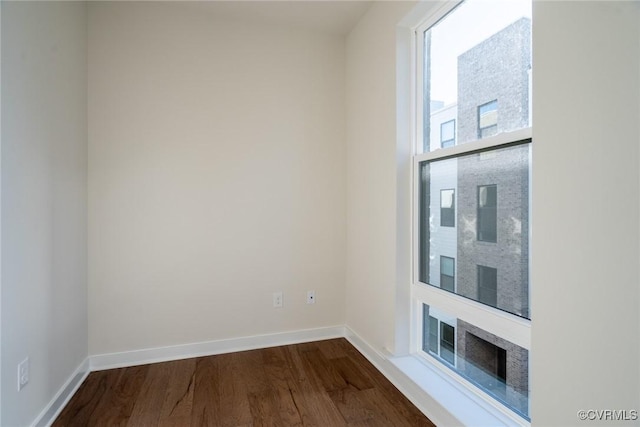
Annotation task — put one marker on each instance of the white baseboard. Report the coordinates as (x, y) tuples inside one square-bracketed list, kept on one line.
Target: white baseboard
[(164, 354), (392, 368), (60, 400)]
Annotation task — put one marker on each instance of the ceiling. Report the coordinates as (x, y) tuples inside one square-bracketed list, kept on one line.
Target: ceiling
[(334, 17)]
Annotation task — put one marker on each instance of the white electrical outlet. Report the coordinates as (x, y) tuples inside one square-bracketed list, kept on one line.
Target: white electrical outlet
[(311, 297), (23, 373), (277, 299)]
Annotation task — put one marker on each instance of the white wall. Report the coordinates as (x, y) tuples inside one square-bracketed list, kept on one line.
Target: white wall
[(585, 251), (216, 176), (1, 377), (586, 192), (371, 174), (44, 134)]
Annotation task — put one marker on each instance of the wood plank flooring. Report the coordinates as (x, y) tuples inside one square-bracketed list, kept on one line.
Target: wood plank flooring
[(325, 383)]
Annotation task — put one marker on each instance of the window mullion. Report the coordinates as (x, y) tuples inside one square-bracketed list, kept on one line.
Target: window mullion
[(505, 138), (510, 327)]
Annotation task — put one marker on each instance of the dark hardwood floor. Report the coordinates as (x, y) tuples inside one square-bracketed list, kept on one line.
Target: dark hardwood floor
[(324, 383)]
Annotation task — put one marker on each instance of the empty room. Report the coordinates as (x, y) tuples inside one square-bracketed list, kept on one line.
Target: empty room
[(329, 213)]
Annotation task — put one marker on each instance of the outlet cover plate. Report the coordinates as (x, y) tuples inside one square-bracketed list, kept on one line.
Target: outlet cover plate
[(277, 299)]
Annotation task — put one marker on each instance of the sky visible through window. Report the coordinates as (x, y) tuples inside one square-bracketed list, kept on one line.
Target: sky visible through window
[(472, 22)]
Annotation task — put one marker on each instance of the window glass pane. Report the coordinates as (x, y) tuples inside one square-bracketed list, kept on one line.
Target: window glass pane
[(446, 199), (495, 365), (447, 342), (487, 208), (487, 285), (488, 114), (433, 334), (488, 119), (476, 71), (447, 208), (492, 217), (448, 134), (429, 332), (447, 273), (446, 266)]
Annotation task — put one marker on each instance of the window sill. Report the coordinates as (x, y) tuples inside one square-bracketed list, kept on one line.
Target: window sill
[(467, 407)]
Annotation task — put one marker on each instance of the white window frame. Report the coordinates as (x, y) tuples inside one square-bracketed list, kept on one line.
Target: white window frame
[(495, 321), (498, 322)]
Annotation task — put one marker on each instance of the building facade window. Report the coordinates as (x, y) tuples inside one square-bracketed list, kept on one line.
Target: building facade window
[(472, 175), (447, 273), (447, 342), (447, 208), (487, 213), (488, 119), (434, 345), (448, 134), (488, 285), (439, 336)]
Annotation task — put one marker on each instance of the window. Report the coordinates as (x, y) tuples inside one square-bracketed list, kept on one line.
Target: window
[(466, 161), (439, 335), (447, 342), (487, 213), (447, 273), (488, 119), (496, 365), (488, 285), (448, 257), (447, 208), (433, 335), (448, 134)]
